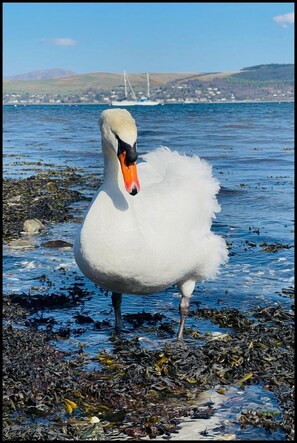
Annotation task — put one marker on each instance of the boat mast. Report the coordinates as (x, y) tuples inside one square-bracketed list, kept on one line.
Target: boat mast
[(132, 92), (125, 84), (148, 85)]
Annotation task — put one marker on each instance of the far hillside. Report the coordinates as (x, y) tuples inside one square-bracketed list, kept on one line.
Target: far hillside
[(42, 74), (75, 84), (272, 72), (255, 83)]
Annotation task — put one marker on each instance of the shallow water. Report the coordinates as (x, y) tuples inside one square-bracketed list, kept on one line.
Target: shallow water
[(250, 147), (223, 425)]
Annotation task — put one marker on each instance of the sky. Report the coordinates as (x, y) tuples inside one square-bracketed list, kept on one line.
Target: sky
[(145, 37)]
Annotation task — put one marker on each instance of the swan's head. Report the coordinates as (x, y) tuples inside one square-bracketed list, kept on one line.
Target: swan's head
[(119, 134)]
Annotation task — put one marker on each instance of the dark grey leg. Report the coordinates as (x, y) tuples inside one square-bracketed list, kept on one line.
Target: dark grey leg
[(116, 303), (183, 310)]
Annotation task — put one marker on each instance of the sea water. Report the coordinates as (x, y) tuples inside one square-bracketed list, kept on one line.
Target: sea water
[(250, 147)]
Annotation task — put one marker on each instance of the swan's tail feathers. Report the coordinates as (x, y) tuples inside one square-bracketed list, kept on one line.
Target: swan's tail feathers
[(171, 164), (213, 254), (186, 180)]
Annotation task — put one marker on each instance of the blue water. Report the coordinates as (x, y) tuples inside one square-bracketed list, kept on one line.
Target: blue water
[(250, 146)]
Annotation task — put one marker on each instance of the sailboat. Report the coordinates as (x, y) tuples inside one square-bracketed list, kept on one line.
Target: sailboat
[(143, 101)]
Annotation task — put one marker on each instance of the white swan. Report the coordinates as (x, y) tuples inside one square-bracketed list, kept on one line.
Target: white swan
[(141, 236)]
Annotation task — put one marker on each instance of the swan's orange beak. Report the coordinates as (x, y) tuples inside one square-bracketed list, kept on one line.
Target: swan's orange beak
[(129, 172)]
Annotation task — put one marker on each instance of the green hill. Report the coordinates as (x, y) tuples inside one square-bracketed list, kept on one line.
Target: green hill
[(272, 72), (76, 84)]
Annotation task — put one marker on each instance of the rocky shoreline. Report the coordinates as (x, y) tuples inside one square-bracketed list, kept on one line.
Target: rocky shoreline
[(139, 392), (136, 392), (45, 197)]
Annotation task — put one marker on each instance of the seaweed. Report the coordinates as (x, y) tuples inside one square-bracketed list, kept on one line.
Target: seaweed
[(138, 392), (45, 197)]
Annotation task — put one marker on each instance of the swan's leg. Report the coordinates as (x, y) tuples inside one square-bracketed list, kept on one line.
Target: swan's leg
[(183, 310), (116, 303), (186, 289)]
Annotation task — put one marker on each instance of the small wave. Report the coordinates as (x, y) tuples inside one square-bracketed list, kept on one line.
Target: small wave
[(53, 119), (239, 126), (226, 191)]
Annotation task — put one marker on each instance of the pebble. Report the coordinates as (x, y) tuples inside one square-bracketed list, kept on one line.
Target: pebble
[(14, 200), (32, 226), (21, 244), (228, 437)]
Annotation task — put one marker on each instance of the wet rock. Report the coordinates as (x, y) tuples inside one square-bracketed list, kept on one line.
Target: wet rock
[(32, 226), (61, 244), (21, 244), (80, 318)]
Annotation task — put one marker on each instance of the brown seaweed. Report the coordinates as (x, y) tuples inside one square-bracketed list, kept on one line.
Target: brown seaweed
[(140, 392)]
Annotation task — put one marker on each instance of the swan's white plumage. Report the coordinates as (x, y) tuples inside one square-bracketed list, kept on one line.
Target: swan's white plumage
[(159, 237)]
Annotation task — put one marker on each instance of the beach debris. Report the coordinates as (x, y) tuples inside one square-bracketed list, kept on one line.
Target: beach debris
[(219, 336), (94, 431), (69, 405), (221, 390), (243, 379)]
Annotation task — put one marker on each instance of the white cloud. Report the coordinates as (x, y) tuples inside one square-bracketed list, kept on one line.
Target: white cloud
[(60, 41), (284, 20), (64, 42)]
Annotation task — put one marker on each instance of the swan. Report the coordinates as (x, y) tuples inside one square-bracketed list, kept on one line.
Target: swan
[(149, 224)]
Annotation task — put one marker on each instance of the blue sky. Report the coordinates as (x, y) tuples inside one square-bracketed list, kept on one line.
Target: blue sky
[(145, 37)]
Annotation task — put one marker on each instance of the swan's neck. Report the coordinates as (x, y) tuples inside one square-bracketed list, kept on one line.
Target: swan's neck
[(113, 184), (112, 176)]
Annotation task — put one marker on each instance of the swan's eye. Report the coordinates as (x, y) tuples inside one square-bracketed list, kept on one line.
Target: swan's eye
[(122, 146), (131, 154)]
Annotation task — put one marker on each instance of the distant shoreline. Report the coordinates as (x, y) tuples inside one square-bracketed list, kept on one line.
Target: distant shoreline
[(161, 104)]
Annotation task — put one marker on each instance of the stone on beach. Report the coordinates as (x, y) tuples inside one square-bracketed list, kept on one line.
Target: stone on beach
[(61, 244), (21, 244), (32, 226)]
